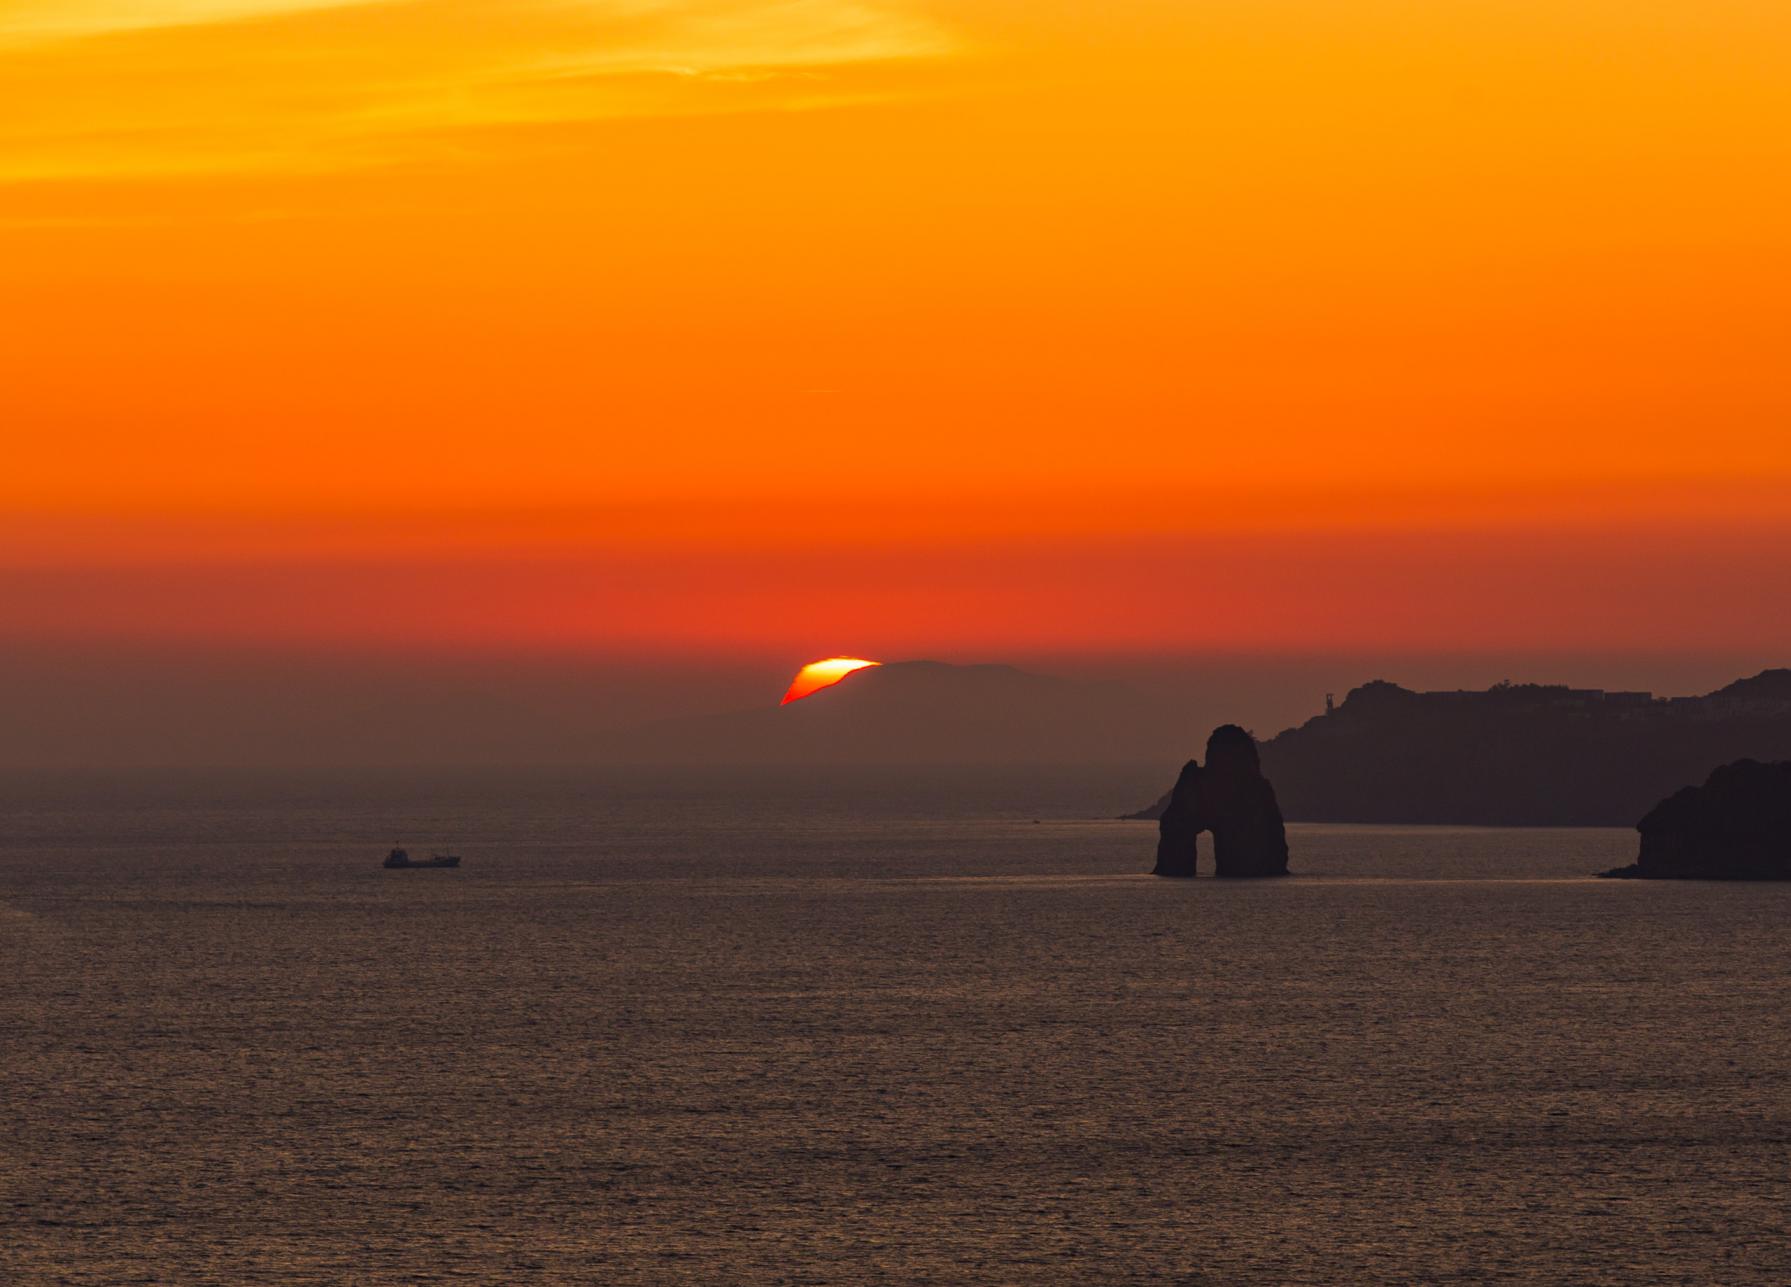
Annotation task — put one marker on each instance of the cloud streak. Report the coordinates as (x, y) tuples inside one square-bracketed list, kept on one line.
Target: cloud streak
[(222, 86), (39, 21)]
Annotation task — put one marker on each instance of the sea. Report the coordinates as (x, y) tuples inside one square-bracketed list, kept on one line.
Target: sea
[(891, 1026)]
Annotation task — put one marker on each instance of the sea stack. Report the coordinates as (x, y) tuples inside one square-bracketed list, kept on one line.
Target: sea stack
[(1177, 828), (1230, 798), (1737, 826)]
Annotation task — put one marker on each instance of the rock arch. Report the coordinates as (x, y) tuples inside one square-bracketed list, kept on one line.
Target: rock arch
[(1231, 799)]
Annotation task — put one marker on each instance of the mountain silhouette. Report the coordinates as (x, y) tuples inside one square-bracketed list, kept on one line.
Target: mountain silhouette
[(1517, 754)]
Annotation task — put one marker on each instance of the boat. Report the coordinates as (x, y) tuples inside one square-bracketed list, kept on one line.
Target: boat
[(402, 858)]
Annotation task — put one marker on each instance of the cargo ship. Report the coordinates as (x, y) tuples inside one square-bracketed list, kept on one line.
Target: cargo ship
[(402, 858)]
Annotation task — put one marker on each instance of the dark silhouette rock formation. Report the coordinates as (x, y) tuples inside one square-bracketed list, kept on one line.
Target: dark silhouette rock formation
[(1526, 755), (1177, 830), (1239, 805), (1230, 798), (1737, 826)]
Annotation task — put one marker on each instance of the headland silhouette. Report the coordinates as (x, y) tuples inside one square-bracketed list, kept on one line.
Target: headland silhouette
[(1516, 754), (1736, 826)]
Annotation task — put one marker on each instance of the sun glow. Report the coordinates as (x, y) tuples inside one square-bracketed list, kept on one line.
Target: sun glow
[(822, 674)]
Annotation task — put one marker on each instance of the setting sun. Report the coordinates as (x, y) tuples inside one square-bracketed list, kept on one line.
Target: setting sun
[(822, 674)]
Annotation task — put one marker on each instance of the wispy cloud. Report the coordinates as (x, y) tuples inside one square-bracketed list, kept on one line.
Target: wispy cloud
[(37, 21), (93, 88)]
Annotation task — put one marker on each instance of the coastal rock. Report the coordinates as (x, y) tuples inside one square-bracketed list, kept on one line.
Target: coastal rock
[(1230, 798), (1177, 828), (1516, 755), (1737, 826)]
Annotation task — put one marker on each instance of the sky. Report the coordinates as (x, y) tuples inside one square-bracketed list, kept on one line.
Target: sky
[(722, 335)]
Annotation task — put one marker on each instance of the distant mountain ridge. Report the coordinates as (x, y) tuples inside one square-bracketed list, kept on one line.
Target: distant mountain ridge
[(924, 712), (1768, 689), (1511, 755), (1518, 754)]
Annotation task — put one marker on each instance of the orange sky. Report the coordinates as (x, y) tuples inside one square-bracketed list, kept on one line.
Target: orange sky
[(859, 325)]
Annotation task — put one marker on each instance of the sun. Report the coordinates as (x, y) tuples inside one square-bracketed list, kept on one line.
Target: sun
[(822, 674)]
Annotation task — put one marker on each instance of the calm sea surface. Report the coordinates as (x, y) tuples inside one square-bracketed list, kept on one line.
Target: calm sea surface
[(862, 1028)]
